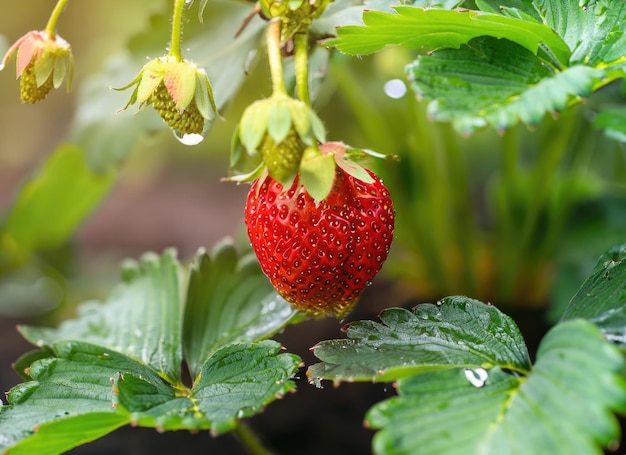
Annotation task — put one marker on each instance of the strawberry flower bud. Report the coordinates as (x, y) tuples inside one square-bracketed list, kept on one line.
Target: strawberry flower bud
[(179, 91), (279, 129), (42, 63)]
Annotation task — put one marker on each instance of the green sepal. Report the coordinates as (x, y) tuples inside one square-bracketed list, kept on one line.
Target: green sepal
[(355, 170), (151, 77), (58, 73), (317, 173), (43, 67), (205, 101), (317, 127), (253, 125), (301, 119), (250, 176), (180, 82), (279, 120)]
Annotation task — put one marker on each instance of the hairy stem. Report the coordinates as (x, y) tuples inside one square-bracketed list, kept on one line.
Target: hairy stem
[(274, 57), (177, 19), (54, 17), (301, 43)]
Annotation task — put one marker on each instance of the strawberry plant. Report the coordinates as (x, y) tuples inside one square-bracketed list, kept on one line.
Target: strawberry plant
[(475, 173)]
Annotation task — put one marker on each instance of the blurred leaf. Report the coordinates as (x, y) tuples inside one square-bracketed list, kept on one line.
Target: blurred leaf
[(594, 226), (108, 136), (563, 406), (55, 201), (428, 30), (602, 297), (57, 436), (229, 300), (496, 82), (141, 318), (613, 122), (457, 332)]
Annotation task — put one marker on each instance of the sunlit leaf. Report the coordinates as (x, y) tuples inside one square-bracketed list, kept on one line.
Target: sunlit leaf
[(428, 30)]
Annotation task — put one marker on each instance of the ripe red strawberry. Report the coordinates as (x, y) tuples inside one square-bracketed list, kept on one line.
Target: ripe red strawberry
[(320, 256)]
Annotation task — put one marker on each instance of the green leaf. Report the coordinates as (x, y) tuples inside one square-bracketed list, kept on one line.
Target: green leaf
[(428, 30), (142, 317), (85, 391), (75, 383), (498, 83), (456, 332), (55, 201), (564, 405), (229, 300), (53, 437), (238, 380), (594, 33), (613, 122), (602, 297)]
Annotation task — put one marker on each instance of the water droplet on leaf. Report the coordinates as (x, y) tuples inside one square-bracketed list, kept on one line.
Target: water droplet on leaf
[(476, 376)]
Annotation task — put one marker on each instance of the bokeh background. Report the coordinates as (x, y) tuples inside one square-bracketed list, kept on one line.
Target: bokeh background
[(451, 238)]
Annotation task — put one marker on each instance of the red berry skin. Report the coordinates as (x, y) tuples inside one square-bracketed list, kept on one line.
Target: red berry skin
[(320, 256)]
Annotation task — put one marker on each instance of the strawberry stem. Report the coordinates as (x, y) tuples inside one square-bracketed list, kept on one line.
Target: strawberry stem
[(177, 19), (301, 61), (274, 57), (54, 18)]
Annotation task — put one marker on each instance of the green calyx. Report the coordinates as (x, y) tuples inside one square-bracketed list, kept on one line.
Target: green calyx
[(278, 130), (295, 15), (178, 90)]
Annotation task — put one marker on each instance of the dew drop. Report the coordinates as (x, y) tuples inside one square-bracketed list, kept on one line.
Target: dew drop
[(188, 139), (476, 376)]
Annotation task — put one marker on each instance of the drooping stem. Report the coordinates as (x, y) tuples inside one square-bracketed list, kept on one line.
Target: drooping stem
[(54, 17), (301, 61), (274, 57), (177, 20), (250, 440)]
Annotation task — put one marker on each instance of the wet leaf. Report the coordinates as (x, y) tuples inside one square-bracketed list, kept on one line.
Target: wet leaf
[(602, 297), (229, 300), (456, 333), (564, 405)]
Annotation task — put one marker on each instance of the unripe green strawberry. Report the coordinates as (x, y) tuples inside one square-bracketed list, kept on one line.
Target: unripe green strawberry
[(320, 256), (282, 159), (188, 121), (29, 92)]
